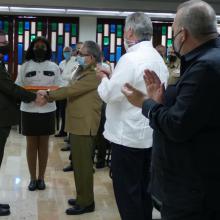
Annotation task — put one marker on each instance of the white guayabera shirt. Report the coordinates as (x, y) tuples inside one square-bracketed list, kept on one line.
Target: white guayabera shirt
[(125, 125)]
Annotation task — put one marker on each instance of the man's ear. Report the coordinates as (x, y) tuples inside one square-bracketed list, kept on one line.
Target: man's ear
[(130, 33)]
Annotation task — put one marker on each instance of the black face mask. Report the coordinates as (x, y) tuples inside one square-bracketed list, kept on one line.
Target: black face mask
[(172, 58), (4, 49), (39, 54), (177, 52)]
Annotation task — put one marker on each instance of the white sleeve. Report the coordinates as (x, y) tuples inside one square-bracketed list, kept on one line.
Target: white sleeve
[(58, 79), (20, 76), (61, 66), (110, 89)]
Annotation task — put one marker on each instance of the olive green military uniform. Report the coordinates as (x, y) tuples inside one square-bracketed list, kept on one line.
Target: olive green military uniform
[(83, 113)]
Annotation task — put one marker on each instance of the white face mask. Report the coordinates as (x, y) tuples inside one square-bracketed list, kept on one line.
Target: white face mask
[(128, 43)]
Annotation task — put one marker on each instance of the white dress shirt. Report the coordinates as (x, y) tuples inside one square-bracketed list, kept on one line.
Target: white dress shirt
[(45, 73), (68, 69), (125, 125)]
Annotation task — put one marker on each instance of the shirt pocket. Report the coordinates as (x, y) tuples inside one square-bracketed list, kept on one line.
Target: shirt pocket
[(31, 77), (31, 74), (49, 77)]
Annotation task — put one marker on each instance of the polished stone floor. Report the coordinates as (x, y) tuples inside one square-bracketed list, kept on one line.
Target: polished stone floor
[(51, 203)]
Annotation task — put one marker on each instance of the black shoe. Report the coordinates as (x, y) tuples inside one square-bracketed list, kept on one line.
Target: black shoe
[(66, 148), (32, 185), (66, 139), (72, 202), (41, 185), (61, 134), (4, 206), (78, 210), (4, 212), (100, 165), (68, 168)]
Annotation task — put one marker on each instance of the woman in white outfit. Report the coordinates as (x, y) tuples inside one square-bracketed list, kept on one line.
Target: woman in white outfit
[(38, 122)]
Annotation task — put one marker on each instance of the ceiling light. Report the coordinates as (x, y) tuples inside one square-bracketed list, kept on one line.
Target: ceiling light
[(37, 10), (4, 8)]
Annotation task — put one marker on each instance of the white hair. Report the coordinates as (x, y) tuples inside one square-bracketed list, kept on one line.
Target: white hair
[(140, 24), (198, 17)]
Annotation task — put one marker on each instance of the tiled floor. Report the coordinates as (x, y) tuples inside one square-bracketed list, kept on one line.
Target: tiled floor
[(51, 203)]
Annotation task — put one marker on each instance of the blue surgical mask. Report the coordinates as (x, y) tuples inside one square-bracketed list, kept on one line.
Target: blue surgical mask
[(67, 55), (81, 60)]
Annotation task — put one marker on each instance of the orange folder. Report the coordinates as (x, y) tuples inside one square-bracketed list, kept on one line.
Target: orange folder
[(36, 88)]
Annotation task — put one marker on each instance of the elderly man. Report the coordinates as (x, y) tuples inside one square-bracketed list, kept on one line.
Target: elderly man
[(67, 68), (126, 128), (83, 113), (186, 143)]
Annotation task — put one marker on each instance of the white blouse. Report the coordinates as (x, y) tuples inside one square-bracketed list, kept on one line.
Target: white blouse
[(46, 73)]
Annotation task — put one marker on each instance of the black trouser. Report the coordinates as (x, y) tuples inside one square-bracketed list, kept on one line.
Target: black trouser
[(200, 212), (100, 142), (131, 174), (102, 146), (61, 109), (4, 132)]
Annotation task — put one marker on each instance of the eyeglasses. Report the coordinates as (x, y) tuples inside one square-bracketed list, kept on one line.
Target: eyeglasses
[(83, 55)]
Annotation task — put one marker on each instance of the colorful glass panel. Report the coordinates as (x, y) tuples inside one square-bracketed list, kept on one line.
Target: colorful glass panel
[(54, 26), (119, 30), (27, 25), (74, 31), (169, 42), (20, 53), (6, 24), (112, 28), (164, 30), (112, 58), (20, 28), (39, 26), (100, 28), (118, 53), (106, 41), (60, 40), (33, 37), (110, 37), (60, 54), (67, 27)]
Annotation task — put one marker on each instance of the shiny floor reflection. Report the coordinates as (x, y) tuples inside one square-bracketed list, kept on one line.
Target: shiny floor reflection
[(51, 203)]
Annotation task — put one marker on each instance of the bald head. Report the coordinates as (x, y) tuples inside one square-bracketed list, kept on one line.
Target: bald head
[(198, 17), (67, 49)]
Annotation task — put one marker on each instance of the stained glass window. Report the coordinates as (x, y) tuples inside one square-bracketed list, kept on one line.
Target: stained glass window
[(162, 34), (61, 33), (6, 25), (110, 37), (27, 29)]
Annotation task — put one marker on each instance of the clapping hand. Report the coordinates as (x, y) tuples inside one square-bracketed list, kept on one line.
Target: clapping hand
[(41, 98), (155, 89), (102, 72)]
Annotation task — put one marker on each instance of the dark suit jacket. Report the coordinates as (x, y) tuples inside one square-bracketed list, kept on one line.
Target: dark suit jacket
[(186, 143), (10, 94)]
